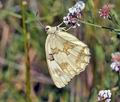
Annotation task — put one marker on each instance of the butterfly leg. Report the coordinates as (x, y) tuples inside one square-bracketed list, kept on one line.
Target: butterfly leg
[(60, 24), (68, 28)]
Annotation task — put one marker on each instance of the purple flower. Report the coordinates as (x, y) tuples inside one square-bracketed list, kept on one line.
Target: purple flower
[(116, 56), (105, 11), (70, 20), (73, 15), (104, 95), (115, 65)]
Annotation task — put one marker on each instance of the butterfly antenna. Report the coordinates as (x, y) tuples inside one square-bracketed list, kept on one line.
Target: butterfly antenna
[(39, 22)]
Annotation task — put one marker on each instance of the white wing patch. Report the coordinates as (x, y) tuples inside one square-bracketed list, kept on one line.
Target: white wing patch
[(66, 57)]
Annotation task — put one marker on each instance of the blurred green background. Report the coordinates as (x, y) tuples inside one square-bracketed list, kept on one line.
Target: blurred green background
[(84, 87)]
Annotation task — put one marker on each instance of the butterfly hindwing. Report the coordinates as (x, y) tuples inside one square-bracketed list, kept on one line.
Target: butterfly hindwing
[(66, 57), (79, 54)]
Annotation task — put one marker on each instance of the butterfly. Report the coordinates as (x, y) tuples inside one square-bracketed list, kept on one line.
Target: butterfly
[(66, 55)]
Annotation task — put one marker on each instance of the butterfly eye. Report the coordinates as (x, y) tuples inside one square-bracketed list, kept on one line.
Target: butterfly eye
[(47, 28)]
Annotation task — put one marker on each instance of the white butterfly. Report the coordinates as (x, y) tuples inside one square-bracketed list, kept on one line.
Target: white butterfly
[(66, 55)]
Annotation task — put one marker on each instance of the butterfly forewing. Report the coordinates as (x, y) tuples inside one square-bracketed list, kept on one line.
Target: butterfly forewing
[(66, 57), (59, 77)]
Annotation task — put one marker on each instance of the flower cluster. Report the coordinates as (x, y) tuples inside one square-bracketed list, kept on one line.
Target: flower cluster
[(74, 14), (104, 95), (115, 65), (105, 11)]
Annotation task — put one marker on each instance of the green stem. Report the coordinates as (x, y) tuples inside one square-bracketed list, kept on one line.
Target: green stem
[(26, 47), (99, 26)]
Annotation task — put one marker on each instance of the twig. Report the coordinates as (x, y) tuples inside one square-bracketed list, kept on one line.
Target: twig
[(99, 26)]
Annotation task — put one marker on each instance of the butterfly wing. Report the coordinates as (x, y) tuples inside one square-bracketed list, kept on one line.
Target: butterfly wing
[(59, 77), (66, 57), (78, 54)]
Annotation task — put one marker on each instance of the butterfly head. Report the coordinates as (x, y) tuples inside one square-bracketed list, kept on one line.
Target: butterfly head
[(50, 30)]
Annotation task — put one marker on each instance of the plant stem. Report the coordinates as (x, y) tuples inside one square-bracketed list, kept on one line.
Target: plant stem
[(99, 26), (26, 48)]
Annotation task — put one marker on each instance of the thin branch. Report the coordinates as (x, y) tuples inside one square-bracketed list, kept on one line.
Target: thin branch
[(99, 26)]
